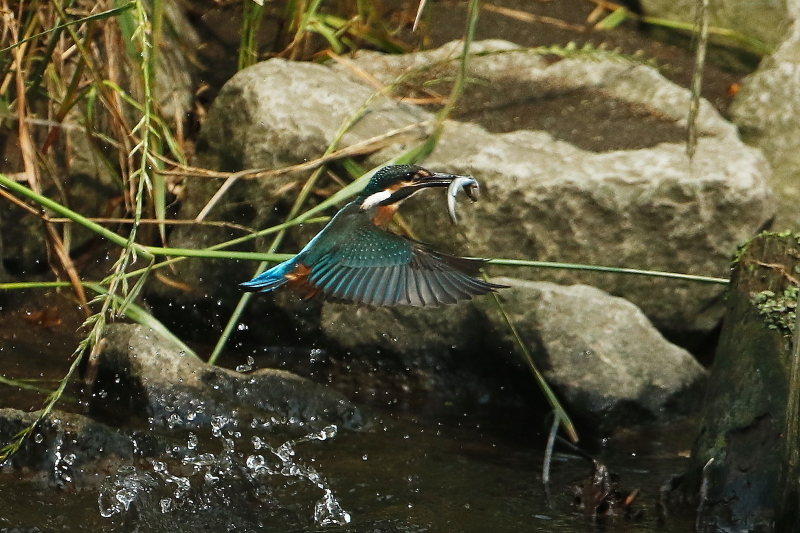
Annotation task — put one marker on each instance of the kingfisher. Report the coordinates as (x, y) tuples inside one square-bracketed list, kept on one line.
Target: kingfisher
[(356, 259)]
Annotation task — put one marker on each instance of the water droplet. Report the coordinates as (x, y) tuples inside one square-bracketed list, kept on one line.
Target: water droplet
[(328, 512), (174, 421), (256, 463)]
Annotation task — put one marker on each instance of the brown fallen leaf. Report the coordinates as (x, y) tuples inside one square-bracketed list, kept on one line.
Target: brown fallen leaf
[(47, 317)]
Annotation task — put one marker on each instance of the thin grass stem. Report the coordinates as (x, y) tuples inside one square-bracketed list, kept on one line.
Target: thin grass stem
[(613, 270), (552, 399), (97, 16)]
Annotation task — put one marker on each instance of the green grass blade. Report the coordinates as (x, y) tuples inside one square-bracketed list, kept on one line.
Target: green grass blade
[(140, 316), (97, 16), (251, 23), (613, 20), (613, 270), (552, 399)]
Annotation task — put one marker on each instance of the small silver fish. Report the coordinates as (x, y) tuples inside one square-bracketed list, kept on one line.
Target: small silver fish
[(470, 187)]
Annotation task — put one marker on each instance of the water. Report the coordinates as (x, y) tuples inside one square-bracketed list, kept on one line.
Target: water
[(460, 473)]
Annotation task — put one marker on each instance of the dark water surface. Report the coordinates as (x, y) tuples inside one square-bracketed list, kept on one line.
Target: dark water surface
[(406, 475)]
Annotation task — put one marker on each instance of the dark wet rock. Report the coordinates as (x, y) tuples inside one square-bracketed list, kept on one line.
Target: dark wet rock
[(69, 448), (765, 109), (764, 20), (151, 480), (544, 198), (600, 353), (744, 463), (438, 354), (139, 374)]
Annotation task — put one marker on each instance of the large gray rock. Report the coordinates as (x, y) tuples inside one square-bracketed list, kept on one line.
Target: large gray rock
[(434, 355), (544, 198), (599, 352), (765, 20), (140, 374), (765, 109), (648, 208)]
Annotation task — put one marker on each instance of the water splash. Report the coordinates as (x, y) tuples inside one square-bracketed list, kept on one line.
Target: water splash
[(248, 366), (203, 482), (117, 493), (328, 512)]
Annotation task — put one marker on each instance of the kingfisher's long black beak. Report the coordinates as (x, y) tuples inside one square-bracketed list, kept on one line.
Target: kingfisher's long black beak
[(436, 179), (419, 182)]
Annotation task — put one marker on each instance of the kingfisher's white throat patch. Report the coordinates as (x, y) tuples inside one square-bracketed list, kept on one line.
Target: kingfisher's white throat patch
[(375, 199)]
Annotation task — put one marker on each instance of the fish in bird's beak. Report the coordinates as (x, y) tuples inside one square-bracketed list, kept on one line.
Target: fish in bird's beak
[(453, 182), (469, 185)]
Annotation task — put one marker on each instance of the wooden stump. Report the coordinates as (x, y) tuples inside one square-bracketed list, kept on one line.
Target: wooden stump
[(744, 463)]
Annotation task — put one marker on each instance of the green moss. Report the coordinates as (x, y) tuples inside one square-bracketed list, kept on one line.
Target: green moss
[(739, 253), (742, 248), (778, 310)]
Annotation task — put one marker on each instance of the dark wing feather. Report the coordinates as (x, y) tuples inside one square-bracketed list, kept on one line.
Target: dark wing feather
[(372, 266)]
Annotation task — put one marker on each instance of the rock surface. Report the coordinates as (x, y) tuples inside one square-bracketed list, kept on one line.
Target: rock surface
[(765, 20), (647, 208), (544, 198), (743, 463), (601, 354), (435, 356), (68, 448), (141, 375), (765, 109)]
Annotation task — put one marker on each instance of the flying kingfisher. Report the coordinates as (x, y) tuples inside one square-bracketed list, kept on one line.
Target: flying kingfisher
[(356, 259)]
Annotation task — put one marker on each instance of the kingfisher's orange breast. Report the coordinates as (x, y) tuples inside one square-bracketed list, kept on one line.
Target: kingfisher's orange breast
[(383, 215)]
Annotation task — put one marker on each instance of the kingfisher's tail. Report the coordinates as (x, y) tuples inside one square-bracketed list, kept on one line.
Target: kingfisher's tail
[(269, 279)]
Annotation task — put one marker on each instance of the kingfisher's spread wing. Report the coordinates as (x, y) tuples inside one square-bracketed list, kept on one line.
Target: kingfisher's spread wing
[(375, 267)]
